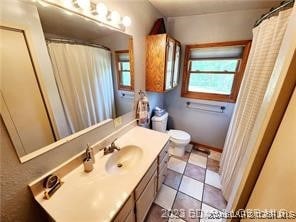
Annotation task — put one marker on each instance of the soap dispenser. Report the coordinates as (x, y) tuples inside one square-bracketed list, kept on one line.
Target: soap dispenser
[(89, 160)]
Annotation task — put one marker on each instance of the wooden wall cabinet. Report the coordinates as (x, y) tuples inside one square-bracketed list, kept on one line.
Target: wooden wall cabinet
[(162, 62)]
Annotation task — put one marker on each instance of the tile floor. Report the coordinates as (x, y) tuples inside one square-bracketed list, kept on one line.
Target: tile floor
[(192, 183)]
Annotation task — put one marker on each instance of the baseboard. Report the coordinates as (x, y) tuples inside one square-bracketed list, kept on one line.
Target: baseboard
[(217, 149)]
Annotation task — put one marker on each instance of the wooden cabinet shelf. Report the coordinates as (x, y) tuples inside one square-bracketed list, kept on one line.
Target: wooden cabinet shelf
[(163, 55)]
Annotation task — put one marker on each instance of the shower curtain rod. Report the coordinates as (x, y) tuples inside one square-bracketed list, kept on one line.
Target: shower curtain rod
[(272, 11), (76, 42)]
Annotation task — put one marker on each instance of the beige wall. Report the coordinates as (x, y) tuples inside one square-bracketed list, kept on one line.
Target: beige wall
[(17, 203), (204, 127)]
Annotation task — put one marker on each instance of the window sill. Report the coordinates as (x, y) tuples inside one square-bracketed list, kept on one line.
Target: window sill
[(126, 88), (209, 96)]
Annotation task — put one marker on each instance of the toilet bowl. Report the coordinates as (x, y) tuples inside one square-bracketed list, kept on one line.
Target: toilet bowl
[(178, 139)]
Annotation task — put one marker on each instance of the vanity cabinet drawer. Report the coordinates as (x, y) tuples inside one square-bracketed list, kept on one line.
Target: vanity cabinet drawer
[(126, 211), (163, 152), (141, 186), (161, 176), (131, 217), (144, 202), (164, 162)]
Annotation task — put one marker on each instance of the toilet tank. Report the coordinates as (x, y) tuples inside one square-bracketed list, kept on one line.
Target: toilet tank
[(159, 123)]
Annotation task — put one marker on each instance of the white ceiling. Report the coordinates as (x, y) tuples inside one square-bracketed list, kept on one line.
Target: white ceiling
[(173, 8)]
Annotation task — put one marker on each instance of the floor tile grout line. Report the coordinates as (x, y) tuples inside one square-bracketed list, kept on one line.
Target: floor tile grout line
[(177, 190), (183, 174), (204, 182), (179, 187), (213, 206), (193, 178), (208, 185)]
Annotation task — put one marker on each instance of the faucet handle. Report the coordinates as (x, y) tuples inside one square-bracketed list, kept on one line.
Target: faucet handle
[(87, 152), (113, 142), (90, 153)]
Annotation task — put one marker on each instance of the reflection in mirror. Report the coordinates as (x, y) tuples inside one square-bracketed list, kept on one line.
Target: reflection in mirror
[(84, 79), (89, 84), (124, 75)]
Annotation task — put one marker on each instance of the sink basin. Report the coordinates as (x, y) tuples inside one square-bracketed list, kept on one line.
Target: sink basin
[(123, 160)]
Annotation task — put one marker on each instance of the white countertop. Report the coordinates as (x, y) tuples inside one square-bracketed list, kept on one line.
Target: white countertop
[(98, 195)]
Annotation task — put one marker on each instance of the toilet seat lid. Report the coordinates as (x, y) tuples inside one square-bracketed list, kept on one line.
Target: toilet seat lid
[(179, 135)]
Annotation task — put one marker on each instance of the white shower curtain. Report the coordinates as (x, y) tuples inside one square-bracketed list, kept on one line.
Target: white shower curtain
[(84, 78), (267, 38)]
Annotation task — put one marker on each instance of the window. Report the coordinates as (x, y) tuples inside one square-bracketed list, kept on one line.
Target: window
[(214, 71), (123, 70)]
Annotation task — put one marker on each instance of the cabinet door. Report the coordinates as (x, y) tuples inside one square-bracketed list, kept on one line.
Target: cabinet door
[(169, 64), (161, 177), (143, 204), (155, 62), (127, 211), (176, 64), (24, 111), (130, 217)]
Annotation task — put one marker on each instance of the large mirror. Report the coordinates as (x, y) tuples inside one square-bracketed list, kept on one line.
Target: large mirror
[(93, 76)]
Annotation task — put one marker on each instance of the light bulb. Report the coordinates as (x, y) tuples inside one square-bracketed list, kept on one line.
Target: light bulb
[(84, 4), (126, 21), (101, 10), (68, 3), (115, 17)]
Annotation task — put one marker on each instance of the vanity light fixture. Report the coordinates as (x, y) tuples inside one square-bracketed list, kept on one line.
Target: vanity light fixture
[(102, 10), (126, 21), (84, 4), (68, 3), (97, 12), (115, 17)]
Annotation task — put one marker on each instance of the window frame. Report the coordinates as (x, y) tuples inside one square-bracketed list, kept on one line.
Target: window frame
[(119, 71), (130, 52), (238, 75)]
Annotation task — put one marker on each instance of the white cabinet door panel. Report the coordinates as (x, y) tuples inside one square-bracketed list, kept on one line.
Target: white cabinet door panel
[(21, 94)]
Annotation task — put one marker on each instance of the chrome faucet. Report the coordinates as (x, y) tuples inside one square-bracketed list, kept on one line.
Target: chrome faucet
[(111, 148)]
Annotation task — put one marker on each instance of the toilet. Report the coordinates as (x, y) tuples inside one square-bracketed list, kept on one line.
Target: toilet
[(179, 139)]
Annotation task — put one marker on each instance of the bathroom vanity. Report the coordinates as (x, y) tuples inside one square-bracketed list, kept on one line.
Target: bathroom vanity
[(111, 192)]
